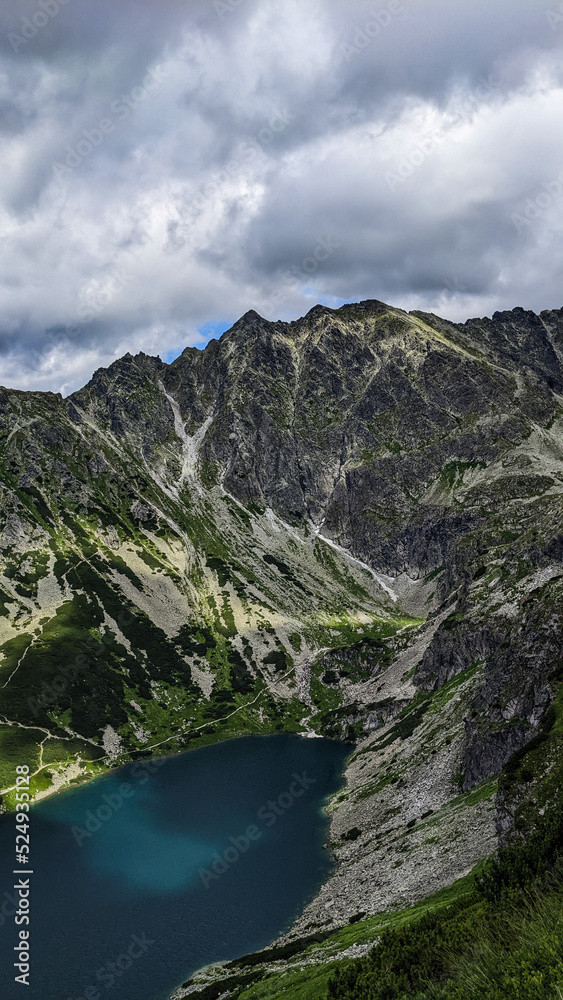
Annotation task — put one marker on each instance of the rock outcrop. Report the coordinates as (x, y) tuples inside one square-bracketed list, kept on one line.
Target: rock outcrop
[(351, 523)]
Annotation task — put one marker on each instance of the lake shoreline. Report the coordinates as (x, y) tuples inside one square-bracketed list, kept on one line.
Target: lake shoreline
[(255, 809), (76, 780)]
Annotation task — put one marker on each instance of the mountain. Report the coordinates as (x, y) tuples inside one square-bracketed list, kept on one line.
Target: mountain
[(349, 524)]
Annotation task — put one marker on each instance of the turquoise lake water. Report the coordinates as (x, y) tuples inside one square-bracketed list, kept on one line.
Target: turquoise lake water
[(144, 875)]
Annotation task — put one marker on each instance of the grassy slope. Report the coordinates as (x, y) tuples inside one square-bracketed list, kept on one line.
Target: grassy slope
[(195, 626), (496, 934)]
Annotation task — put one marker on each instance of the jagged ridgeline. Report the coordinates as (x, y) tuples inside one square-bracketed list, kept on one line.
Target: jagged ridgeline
[(350, 523)]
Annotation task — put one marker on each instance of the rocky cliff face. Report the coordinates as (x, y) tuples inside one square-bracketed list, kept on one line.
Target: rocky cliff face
[(350, 523)]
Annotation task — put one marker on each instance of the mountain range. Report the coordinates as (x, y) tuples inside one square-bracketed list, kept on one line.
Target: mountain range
[(348, 525)]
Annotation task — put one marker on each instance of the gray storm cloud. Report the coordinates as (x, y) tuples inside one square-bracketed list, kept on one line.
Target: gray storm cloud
[(166, 165)]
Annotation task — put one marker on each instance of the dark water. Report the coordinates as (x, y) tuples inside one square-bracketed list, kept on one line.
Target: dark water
[(134, 888)]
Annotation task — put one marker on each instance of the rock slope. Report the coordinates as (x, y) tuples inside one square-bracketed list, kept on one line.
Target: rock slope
[(348, 524)]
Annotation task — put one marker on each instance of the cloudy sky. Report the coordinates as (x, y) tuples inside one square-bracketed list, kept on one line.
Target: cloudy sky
[(169, 164)]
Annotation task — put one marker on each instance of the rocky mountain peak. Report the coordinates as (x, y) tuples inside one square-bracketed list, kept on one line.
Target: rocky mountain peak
[(350, 522)]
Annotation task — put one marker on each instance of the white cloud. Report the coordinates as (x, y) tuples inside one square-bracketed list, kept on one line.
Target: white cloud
[(198, 192)]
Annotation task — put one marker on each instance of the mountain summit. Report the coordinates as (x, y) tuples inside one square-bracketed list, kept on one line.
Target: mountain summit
[(349, 524)]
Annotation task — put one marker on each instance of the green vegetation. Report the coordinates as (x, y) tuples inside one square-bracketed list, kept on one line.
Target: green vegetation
[(277, 659), (79, 673), (504, 939), (496, 934), (309, 962), (407, 721), (282, 567), (17, 745), (468, 949), (209, 473), (452, 474)]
